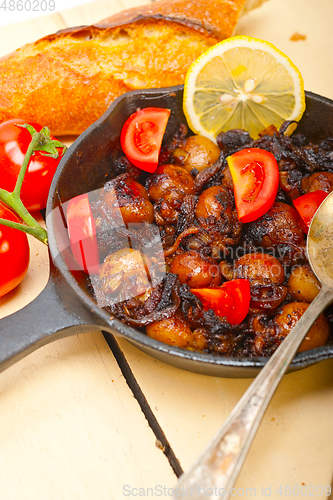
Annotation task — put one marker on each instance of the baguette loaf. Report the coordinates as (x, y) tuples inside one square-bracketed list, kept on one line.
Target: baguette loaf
[(68, 79)]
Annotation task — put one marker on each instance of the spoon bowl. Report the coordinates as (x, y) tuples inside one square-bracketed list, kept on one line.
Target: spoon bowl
[(320, 242)]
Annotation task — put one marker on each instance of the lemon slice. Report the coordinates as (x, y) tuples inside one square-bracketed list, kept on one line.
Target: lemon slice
[(242, 82)]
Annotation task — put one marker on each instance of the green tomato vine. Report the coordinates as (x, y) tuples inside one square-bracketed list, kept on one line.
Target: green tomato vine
[(40, 141)]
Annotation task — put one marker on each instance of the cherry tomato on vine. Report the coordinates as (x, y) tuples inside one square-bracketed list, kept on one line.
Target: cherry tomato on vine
[(255, 174), (14, 253), (82, 234), (14, 142), (307, 205), (231, 300), (141, 137)]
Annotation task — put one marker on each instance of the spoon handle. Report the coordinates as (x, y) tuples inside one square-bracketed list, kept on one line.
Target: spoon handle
[(216, 470)]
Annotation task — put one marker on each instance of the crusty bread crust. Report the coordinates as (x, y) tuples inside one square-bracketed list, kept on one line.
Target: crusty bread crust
[(217, 17), (68, 79)]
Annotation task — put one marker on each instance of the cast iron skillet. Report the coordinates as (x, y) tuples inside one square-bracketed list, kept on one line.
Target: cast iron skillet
[(66, 307)]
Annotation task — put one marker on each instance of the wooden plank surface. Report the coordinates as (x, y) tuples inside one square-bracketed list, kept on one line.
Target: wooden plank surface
[(70, 427)]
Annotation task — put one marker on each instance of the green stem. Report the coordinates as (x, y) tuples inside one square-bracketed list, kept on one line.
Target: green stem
[(13, 201), (34, 141), (38, 231)]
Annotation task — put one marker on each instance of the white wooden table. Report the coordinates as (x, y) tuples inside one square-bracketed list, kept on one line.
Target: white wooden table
[(70, 427)]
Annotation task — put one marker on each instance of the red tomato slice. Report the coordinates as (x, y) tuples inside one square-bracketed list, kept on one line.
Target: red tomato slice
[(231, 300), (215, 298), (255, 174), (307, 205), (141, 137), (82, 234), (14, 253)]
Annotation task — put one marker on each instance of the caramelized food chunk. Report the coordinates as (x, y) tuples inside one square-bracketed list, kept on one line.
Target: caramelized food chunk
[(198, 152), (279, 231), (216, 213), (287, 318), (172, 331), (322, 181), (259, 268), (131, 198), (195, 270), (170, 178), (303, 284), (127, 268)]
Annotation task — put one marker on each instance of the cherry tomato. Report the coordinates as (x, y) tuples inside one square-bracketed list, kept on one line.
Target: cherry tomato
[(255, 174), (82, 234), (307, 205), (141, 137), (14, 142), (231, 300), (14, 253)]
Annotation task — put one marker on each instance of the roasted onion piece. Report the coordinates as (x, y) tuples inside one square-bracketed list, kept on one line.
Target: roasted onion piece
[(278, 225), (278, 231), (264, 332), (303, 284), (207, 174), (172, 331), (195, 270), (131, 198), (216, 213), (176, 331), (184, 234), (167, 188), (259, 268), (162, 303), (267, 297), (128, 268), (170, 178), (319, 181), (290, 182), (198, 152), (233, 140), (287, 318)]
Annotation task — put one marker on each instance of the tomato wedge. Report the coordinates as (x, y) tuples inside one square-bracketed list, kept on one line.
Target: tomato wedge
[(255, 174), (141, 137), (307, 205), (231, 300), (82, 234)]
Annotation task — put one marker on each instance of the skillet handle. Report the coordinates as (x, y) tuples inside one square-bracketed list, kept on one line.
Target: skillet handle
[(56, 313)]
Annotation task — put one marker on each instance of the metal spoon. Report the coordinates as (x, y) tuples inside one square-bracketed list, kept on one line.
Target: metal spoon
[(214, 474)]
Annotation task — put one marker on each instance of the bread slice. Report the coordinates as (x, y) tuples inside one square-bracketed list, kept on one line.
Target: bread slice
[(68, 79)]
